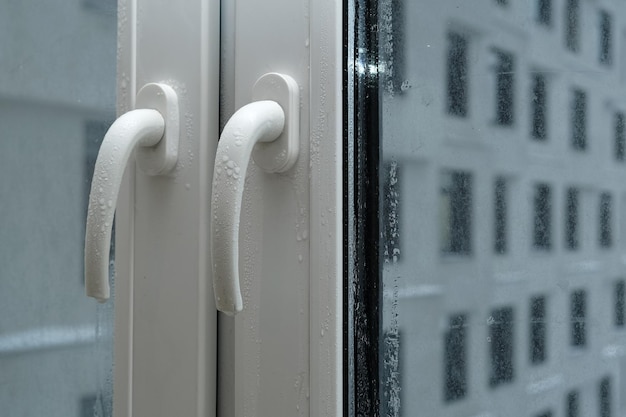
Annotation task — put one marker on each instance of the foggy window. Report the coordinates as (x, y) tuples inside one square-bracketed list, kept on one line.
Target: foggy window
[(455, 364), (456, 212), (579, 120), (537, 330), (543, 217), (620, 297), (572, 404), (505, 88), (544, 12), (501, 346), (605, 235), (539, 109), (620, 137), (572, 35), (500, 217), (578, 307), (606, 39), (457, 75), (605, 397), (571, 219)]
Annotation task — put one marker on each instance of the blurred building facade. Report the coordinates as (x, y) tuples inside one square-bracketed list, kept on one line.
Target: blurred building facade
[(504, 200), (57, 94)]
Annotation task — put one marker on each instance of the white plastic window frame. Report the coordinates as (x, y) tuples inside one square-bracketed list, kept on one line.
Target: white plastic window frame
[(165, 326)]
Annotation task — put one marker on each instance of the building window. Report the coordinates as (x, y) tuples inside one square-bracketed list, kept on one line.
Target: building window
[(578, 309), (101, 6), (620, 137), (501, 342), (605, 397), (87, 406), (572, 404), (505, 88), (579, 120), (500, 217), (539, 109), (457, 75), (456, 212), (620, 297), (544, 12), (606, 39), (455, 364), (605, 234), (543, 217), (391, 212), (572, 33), (571, 220), (537, 330)]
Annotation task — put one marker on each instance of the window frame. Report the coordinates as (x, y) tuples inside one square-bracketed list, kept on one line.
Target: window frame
[(147, 53)]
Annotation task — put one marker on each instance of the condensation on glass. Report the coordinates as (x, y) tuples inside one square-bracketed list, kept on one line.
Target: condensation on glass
[(57, 98), (503, 240)]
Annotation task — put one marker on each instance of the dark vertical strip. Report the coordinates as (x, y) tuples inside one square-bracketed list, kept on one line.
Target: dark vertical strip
[(363, 270), (348, 54)]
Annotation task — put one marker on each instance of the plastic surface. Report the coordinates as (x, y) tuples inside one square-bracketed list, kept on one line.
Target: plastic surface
[(280, 154), (161, 158), (262, 121), (141, 127)]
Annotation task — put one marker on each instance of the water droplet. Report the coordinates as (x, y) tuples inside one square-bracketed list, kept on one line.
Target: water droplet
[(188, 186), (300, 258)]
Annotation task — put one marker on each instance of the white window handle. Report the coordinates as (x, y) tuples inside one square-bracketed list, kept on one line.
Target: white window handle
[(154, 129), (267, 130)]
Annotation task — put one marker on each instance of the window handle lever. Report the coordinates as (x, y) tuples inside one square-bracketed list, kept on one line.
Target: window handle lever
[(266, 130), (152, 128)]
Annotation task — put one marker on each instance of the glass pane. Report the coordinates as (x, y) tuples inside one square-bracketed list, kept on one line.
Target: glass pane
[(57, 97), (501, 205)]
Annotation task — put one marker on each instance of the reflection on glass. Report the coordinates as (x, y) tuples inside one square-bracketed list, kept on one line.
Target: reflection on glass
[(510, 291), (57, 95)]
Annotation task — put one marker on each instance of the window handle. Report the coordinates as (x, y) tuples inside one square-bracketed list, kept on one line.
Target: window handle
[(153, 129), (266, 130)]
